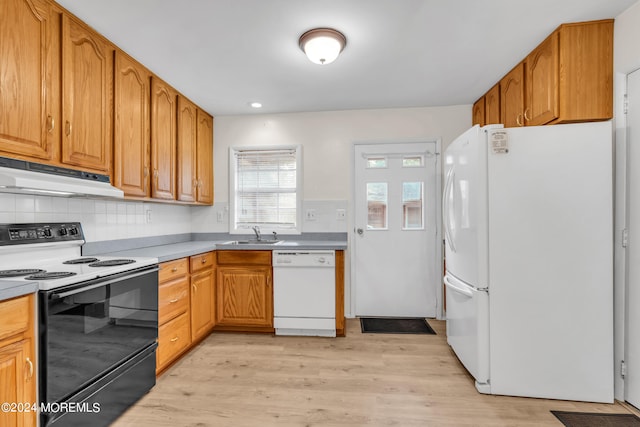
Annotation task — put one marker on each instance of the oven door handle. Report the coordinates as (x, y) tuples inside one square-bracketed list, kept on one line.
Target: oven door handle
[(56, 295)]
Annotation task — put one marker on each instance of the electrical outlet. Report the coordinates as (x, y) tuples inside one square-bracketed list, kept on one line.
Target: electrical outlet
[(148, 216), (311, 215), (341, 214), (220, 216)]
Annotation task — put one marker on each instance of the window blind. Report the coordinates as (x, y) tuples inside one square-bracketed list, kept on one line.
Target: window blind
[(266, 188)]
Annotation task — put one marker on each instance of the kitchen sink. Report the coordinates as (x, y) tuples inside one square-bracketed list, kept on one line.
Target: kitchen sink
[(253, 242)]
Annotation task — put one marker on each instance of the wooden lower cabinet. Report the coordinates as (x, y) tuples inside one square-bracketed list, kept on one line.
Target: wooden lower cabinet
[(174, 338), (17, 361), (174, 335), (186, 310), (244, 292), (202, 294)]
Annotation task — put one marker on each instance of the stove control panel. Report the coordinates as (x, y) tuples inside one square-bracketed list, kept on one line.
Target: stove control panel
[(20, 234)]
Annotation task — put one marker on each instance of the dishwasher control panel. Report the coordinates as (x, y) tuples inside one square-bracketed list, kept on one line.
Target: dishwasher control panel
[(315, 258)]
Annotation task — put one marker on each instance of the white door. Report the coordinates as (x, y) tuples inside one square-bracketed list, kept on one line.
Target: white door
[(396, 254), (632, 358)]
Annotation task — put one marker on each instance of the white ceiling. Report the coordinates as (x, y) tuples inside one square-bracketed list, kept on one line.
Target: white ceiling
[(224, 54)]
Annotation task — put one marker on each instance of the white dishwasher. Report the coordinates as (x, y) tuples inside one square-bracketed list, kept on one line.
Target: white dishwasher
[(304, 293)]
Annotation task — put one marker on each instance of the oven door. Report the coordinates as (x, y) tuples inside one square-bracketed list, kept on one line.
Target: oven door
[(88, 329)]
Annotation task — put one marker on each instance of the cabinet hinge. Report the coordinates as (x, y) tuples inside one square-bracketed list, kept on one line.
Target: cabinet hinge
[(623, 369), (625, 238), (626, 104)]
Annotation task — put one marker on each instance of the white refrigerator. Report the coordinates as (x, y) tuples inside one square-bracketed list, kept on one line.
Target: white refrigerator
[(528, 220)]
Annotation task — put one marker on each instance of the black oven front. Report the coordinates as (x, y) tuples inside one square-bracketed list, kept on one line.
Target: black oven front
[(97, 337)]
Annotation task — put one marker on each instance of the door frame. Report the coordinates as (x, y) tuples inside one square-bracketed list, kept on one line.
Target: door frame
[(352, 217)]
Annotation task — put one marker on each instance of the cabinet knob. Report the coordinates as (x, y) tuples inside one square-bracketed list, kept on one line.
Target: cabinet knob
[(174, 339), (174, 269), (146, 171), (526, 115), (67, 128), (173, 301), (519, 119), (204, 260)]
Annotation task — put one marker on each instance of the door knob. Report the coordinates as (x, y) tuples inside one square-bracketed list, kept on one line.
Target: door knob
[(360, 231)]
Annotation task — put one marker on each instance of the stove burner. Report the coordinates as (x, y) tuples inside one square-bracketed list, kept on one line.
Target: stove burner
[(49, 275), (18, 272), (81, 261), (111, 262)]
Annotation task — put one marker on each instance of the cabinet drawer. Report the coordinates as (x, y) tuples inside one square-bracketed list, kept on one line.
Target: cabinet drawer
[(173, 269), (244, 257), (173, 338), (15, 314), (202, 261), (173, 299)]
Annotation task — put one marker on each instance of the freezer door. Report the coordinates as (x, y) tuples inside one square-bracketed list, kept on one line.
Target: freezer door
[(465, 207), (468, 327)]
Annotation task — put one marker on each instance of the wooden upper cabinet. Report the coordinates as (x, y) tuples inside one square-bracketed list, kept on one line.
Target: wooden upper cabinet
[(163, 140), (187, 138), (569, 76), (28, 79), (512, 97), (87, 104), (477, 114), (205, 158), (132, 143), (586, 71), (492, 106), (542, 82)]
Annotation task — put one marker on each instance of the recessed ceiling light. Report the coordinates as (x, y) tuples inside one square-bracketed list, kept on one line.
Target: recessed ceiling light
[(256, 105)]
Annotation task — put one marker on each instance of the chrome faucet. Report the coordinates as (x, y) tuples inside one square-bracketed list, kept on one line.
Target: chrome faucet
[(256, 229)]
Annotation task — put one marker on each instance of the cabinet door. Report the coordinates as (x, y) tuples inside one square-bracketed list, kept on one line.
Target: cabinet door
[(478, 112), (244, 296), (492, 106), (17, 382), (202, 303), (205, 158), (542, 83), (512, 97), (163, 140), (29, 58), (87, 84), (131, 127), (187, 128)]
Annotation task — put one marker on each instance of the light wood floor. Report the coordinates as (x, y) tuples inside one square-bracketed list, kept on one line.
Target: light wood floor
[(361, 380)]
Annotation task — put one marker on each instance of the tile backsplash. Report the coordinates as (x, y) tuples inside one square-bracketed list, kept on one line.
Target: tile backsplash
[(118, 219), (101, 219)]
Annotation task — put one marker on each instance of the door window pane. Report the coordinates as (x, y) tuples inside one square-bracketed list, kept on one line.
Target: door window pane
[(376, 162), (412, 161), (377, 196), (412, 206)]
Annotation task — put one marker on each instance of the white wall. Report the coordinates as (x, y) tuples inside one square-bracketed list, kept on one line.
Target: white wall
[(327, 139), (626, 59)]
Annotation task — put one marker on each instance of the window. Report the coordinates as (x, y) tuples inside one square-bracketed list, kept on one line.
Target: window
[(265, 189)]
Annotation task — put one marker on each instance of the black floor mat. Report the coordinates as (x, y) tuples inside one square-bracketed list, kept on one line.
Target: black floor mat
[(590, 419), (388, 325)]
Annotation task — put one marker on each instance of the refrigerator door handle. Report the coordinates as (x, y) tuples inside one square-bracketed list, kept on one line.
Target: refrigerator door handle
[(446, 211), (455, 288)]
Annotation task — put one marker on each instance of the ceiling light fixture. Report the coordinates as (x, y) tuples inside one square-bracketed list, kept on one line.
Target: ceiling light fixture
[(322, 45), (256, 105)]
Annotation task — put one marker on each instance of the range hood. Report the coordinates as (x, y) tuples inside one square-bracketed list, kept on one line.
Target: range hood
[(19, 176)]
